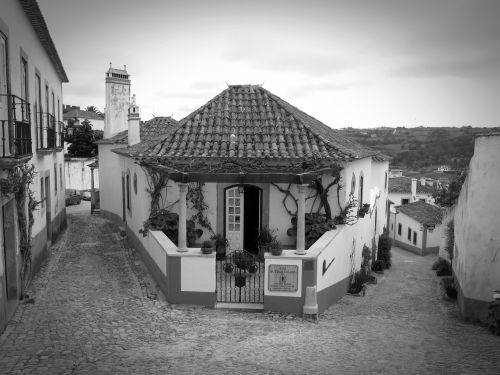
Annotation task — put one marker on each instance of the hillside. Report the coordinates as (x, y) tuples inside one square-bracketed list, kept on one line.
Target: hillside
[(421, 148)]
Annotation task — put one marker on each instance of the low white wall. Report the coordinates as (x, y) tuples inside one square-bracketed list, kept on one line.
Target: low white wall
[(197, 272), (339, 244), (78, 175)]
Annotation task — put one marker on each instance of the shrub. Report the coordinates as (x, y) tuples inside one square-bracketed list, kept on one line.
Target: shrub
[(450, 238), (356, 285), (449, 287), (384, 249), (443, 268), (378, 265)]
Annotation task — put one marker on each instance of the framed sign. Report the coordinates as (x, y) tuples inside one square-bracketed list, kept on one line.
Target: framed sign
[(283, 278)]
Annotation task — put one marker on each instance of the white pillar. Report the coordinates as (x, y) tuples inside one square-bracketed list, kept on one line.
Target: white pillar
[(182, 243), (301, 221)]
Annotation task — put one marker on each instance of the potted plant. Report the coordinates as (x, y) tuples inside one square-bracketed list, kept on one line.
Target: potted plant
[(221, 243), (276, 248), (207, 247), (264, 240), (363, 210)]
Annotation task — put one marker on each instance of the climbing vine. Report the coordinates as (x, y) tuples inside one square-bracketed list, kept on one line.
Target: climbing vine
[(18, 183), (161, 218)]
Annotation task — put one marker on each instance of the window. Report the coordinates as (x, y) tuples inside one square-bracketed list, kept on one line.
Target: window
[(60, 176), (24, 79), (360, 190), (392, 226), (55, 179), (414, 237), (128, 191), (385, 180), (409, 234), (405, 201), (42, 193), (400, 229), (38, 110), (422, 199)]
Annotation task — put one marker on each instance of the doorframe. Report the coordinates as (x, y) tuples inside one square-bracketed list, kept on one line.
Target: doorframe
[(221, 208)]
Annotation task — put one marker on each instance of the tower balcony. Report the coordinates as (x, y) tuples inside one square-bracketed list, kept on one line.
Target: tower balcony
[(15, 122)]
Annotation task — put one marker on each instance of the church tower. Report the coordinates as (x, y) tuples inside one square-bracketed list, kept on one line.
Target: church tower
[(117, 101)]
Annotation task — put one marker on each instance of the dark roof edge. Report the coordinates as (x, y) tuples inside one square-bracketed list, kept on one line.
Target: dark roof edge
[(34, 14)]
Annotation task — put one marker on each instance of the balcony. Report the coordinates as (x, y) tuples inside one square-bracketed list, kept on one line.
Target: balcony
[(15, 125), (49, 132)]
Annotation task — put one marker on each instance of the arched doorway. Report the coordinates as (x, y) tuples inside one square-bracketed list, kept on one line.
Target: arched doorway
[(243, 217)]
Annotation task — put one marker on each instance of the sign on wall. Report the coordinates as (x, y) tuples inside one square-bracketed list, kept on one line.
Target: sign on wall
[(283, 278)]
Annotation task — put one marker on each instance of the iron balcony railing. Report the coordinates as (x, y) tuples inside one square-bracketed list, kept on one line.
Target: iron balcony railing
[(47, 131), (15, 115)]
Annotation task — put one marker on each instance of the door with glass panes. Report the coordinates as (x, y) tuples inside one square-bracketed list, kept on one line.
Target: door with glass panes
[(234, 218)]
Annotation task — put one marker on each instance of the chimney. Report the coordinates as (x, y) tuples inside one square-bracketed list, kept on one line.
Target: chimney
[(134, 119), (413, 197), (422, 181)]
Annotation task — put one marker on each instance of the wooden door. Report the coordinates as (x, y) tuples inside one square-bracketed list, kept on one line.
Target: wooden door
[(4, 100), (234, 218)]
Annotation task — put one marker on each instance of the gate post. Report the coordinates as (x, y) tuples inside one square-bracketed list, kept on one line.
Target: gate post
[(182, 241)]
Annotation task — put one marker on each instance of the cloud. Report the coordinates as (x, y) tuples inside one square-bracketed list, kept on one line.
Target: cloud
[(308, 88)]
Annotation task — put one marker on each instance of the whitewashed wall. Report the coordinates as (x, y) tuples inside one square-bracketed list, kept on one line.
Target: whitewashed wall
[(477, 221), (78, 175), (21, 36), (110, 179)]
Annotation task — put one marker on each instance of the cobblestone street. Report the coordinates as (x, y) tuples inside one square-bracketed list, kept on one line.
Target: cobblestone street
[(97, 311)]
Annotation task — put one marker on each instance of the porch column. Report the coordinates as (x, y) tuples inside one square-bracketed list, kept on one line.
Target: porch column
[(301, 221), (181, 242)]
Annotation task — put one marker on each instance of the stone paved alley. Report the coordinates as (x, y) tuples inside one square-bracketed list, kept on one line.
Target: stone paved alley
[(96, 311)]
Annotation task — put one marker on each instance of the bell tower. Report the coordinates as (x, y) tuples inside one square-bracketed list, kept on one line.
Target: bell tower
[(117, 101)]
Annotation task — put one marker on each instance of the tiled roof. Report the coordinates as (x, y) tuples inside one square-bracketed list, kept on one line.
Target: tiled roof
[(78, 113), (151, 130), (422, 212), (403, 185), (32, 11), (246, 123)]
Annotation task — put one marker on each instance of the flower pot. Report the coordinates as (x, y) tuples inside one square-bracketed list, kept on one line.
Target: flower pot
[(276, 252), (207, 250)]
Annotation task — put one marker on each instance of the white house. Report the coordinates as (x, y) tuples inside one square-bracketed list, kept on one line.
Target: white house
[(244, 161), (417, 227), (476, 257), (31, 77), (404, 190), (75, 116)]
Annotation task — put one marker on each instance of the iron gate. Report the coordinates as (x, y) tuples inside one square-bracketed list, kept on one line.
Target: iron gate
[(240, 278)]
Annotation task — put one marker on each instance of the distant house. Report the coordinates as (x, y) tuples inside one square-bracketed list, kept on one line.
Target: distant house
[(404, 190), (443, 168), (395, 173), (75, 116), (417, 227), (476, 256)]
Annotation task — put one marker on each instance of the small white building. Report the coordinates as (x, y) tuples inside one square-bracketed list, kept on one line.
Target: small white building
[(417, 227), (404, 190), (256, 161), (476, 257), (75, 116)]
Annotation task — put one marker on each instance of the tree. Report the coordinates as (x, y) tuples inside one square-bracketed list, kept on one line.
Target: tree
[(447, 196), (94, 109), (84, 141)]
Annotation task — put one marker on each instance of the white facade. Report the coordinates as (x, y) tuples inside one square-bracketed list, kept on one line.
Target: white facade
[(476, 260), (78, 175), (32, 76)]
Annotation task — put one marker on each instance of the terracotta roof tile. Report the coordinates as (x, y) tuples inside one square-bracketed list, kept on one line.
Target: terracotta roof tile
[(248, 122), (78, 113), (422, 212), (151, 130)]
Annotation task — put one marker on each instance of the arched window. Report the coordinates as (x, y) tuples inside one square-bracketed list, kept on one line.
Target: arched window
[(360, 189), (353, 184), (128, 190)]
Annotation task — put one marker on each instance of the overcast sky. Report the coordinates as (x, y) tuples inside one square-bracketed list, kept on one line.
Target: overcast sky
[(347, 63)]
